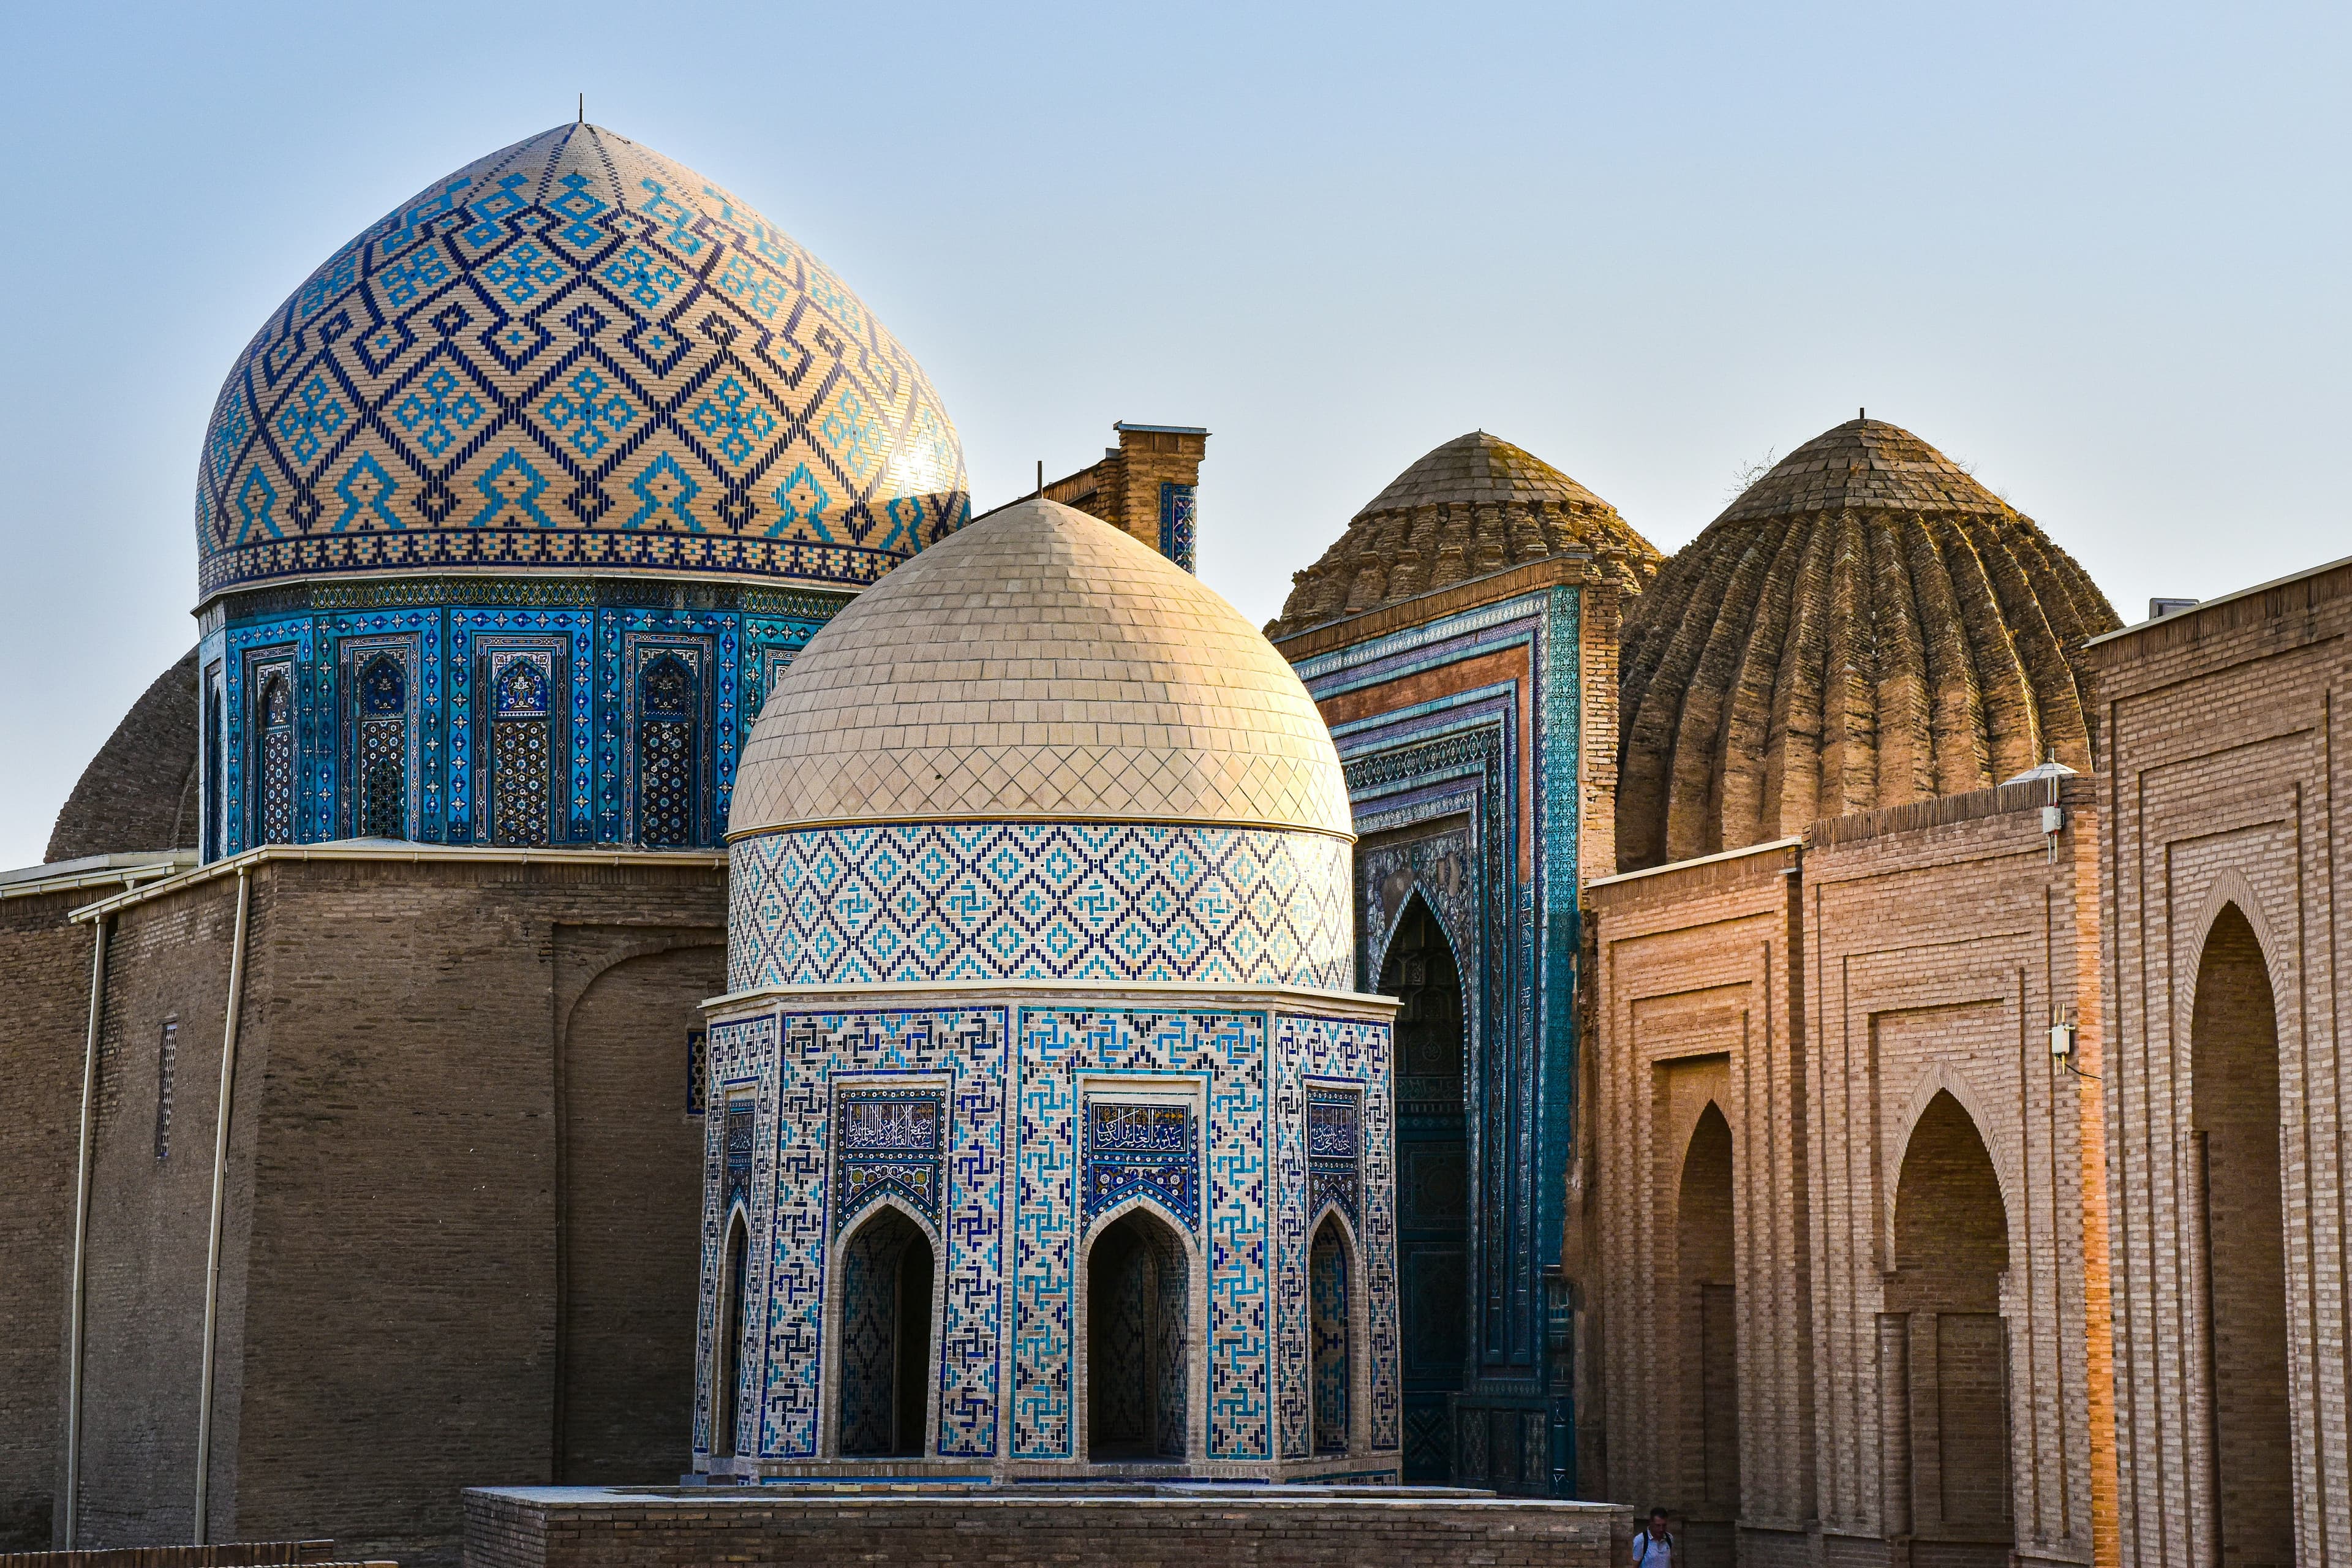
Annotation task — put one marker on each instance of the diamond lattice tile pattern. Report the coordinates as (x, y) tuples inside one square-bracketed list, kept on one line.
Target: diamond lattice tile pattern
[(1040, 663)]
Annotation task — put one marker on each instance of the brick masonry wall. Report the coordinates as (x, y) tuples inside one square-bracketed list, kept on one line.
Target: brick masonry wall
[(1823, 997), (1696, 1005), (2220, 768), (461, 1215), (44, 1019), (1941, 939), (548, 1530)]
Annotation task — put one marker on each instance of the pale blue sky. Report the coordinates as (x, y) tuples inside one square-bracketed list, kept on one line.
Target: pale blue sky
[(2099, 254)]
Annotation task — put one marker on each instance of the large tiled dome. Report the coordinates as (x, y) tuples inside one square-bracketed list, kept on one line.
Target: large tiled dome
[(1864, 627), (574, 354), (1041, 664)]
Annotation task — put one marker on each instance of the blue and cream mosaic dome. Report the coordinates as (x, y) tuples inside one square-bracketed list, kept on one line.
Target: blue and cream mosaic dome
[(574, 354)]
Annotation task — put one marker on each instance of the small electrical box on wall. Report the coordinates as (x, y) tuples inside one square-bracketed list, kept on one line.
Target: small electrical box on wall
[(2061, 1040), (2054, 819)]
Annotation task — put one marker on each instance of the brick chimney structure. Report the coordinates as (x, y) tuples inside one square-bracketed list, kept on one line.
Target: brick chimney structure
[(1144, 486)]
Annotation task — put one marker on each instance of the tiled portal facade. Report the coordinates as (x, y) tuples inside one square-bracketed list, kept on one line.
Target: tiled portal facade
[(1476, 729), (1018, 1102)]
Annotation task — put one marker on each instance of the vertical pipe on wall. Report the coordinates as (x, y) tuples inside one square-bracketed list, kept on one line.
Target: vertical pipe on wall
[(220, 1194), (81, 1233)]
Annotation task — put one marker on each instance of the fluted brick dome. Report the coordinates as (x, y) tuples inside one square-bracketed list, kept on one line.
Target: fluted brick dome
[(1865, 626), (1473, 507), (140, 791), (1040, 663), (571, 355)]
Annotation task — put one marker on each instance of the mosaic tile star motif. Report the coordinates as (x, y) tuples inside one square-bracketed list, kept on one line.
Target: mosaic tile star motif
[(574, 353)]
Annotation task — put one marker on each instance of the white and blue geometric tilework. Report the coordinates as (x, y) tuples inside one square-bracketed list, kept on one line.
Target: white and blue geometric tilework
[(1037, 900), (574, 353)]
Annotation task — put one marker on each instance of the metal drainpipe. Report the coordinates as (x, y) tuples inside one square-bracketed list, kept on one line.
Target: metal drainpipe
[(82, 1231), (220, 1198)]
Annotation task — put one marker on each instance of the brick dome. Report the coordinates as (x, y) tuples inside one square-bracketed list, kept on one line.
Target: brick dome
[(140, 791), (571, 355), (1864, 625), (1475, 506)]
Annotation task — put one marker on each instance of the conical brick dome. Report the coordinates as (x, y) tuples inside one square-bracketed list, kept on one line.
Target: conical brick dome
[(1472, 508), (1864, 627)]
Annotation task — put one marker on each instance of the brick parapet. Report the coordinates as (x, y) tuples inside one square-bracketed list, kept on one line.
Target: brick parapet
[(1269, 1528)]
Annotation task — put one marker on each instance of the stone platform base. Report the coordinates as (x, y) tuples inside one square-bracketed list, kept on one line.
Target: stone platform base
[(1177, 1526)]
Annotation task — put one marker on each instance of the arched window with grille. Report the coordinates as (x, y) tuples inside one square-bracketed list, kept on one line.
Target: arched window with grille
[(666, 763), (522, 693), (272, 783), (381, 748)]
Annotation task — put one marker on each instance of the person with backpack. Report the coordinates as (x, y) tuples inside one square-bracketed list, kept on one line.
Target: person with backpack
[(1653, 1547)]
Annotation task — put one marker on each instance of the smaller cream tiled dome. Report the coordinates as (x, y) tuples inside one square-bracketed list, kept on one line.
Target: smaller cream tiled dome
[(1039, 663)]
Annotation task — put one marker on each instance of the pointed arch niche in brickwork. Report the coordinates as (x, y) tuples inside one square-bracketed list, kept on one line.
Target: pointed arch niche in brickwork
[(1943, 1310), (1706, 1317), (2241, 1247)]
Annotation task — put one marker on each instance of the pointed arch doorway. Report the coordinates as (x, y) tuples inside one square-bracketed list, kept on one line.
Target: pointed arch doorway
[(1433, 1185)]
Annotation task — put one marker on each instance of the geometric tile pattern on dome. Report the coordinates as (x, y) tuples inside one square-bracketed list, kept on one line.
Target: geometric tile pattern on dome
[(1029, 901), (574, 353), (1040, 663)]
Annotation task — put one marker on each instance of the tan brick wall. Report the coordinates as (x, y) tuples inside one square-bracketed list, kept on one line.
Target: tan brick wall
[(1284, 1527), (44, 1014), (2220, 769), (462, 1197), (1826, 996)]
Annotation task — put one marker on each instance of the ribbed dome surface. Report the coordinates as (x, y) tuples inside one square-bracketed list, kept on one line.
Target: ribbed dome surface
[(1040, 664), (1864, 627), (574, 354), (1474, 507)]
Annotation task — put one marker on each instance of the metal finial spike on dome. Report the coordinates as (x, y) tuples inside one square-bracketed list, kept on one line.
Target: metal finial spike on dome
[(584, 110)]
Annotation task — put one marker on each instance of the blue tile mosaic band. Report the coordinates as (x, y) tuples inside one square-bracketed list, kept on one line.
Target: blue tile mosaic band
[(574, 353), (1039, 901)]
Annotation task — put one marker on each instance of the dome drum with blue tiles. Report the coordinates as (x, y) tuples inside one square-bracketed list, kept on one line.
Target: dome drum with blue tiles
[(512, 514)]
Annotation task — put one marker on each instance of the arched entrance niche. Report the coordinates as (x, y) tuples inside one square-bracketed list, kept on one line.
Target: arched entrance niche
[(1138, 1301), (1707, 1308), (884, 1337), (2234, 1106), (1330, 1289), (727, 1373), (1433, 1185), (1951, 1250)]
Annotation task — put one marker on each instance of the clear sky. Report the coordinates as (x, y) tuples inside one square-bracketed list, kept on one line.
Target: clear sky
[(2100, 254)]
